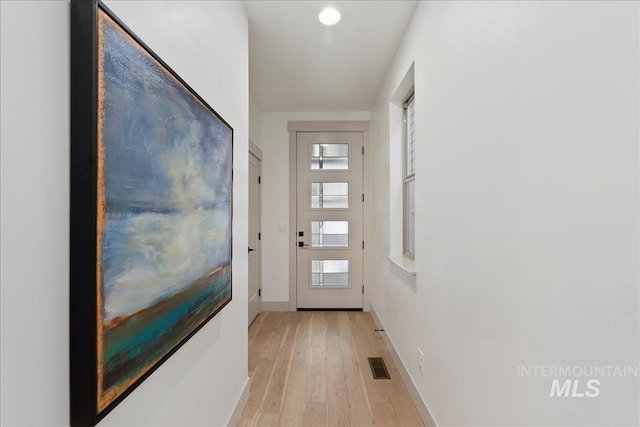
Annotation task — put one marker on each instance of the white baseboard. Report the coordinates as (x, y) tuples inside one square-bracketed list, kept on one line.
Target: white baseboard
[(275, 305), (240, 404), (421, 406)]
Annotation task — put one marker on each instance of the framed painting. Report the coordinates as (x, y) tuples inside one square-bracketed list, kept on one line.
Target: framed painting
[(151, 212)]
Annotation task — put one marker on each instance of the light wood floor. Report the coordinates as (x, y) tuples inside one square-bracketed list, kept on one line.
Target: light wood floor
[(311, 369)]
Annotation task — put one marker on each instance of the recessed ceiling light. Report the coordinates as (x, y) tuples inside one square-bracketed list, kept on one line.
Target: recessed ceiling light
[(329, 16)]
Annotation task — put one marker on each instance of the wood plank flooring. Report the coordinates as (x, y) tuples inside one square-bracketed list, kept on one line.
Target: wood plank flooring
[(311, 369)]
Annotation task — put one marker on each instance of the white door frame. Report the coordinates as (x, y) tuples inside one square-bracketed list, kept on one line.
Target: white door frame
[(323, 126), (255, 151)]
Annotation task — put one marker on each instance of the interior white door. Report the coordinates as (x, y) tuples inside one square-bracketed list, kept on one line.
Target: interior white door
[(255, 247), (329, 220)]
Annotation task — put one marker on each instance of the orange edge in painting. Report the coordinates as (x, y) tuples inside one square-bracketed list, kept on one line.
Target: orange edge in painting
[(102, 401)]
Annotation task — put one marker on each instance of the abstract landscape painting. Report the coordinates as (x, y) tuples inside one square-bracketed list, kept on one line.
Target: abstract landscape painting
[(164, 189)]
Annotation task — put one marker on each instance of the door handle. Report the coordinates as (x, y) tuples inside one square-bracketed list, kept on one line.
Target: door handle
[(251, 249), (302, 245)]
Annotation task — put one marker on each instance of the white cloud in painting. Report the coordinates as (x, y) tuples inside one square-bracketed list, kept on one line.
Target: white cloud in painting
[(184, 171), (161, 254)]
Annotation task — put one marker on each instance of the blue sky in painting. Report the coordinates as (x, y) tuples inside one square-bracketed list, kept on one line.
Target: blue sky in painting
[(165, 149), (167, 175)]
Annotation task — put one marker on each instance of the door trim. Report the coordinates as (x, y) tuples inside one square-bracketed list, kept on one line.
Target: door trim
[(319, 126), (256, 152)]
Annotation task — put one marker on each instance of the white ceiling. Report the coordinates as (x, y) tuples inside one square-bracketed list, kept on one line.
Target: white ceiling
[(298, 64)]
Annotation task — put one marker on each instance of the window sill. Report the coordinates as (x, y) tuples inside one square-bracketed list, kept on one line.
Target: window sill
[(404, 268)]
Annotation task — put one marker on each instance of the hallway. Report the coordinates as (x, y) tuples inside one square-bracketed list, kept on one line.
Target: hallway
[(311, 369), (500, 203)]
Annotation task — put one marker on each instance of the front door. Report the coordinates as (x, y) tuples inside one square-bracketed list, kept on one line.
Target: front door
[(329, 220)]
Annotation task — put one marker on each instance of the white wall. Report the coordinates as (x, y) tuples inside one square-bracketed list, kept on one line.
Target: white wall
[(199, 384), (527, 208), (254, 122), (274, 141)]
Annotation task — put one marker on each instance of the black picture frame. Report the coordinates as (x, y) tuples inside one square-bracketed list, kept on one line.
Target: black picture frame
[(84, 287)]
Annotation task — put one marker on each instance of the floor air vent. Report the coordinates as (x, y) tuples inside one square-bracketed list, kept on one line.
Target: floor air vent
[(378, 368)]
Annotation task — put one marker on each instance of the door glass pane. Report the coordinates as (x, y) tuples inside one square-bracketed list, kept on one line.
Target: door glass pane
[(329, 156), (330, 273), (329, 195), (329, 234)]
